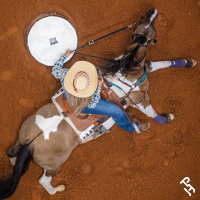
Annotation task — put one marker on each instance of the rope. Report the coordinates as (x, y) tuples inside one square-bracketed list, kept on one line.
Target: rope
[(93, 56), (93, 41)]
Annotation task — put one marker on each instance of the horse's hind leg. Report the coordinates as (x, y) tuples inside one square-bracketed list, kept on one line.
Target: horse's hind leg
[(13, 152), (45, 181)]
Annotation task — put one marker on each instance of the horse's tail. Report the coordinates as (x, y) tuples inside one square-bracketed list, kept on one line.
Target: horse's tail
[(9, 185)]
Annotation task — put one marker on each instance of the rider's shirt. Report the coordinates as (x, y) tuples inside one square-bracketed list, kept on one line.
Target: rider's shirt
[(59, 73)]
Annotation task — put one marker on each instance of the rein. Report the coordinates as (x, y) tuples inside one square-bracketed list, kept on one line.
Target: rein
[(146, 44), (93, 41), (92, 56)]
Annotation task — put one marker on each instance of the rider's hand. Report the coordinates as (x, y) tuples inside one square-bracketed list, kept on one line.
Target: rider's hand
[(100, 81), (68, 52)]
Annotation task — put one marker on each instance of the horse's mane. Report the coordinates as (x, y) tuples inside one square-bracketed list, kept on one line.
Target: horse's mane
[(125, 65)]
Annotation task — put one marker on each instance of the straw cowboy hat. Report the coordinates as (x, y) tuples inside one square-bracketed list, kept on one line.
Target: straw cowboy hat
[(81, 79)]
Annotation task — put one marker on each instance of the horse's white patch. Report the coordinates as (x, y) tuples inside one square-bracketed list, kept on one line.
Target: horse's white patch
[(126, 88), (48, 125), (149, 110), (45, 181), (119, 57), (153, 16), (159, 65)]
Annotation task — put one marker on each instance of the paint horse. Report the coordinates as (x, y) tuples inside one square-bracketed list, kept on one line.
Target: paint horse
[(126, 76), (52, 146)]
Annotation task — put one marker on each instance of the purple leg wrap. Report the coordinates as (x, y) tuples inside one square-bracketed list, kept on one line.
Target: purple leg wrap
[(178, 63), (160, 119)]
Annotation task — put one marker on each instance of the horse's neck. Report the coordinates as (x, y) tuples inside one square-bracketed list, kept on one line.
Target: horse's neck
[(140, 55), (139, 58)]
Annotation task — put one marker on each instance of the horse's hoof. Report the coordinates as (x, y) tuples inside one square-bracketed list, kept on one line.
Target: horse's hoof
[(60, 188), (190, 63), (13, 160), (169, 117)]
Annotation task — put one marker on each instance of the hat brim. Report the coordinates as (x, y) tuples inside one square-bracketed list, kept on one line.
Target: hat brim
[(88, 68)]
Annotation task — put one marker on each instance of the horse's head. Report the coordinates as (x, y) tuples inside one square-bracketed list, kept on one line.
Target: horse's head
[(146, 27), (143, 35)]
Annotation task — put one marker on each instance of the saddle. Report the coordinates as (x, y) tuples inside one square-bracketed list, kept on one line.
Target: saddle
[(82, 121), (86, 126)]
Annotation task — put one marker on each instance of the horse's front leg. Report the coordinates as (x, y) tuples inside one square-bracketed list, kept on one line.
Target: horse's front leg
[(150, 112), (153, 66), (141, 101), (45, 181)]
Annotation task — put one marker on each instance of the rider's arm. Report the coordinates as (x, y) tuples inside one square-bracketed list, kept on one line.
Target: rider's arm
[(57, 70), (97, 95), (95, 98)]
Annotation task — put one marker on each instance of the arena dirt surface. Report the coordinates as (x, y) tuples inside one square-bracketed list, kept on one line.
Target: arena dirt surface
[(114, 166)]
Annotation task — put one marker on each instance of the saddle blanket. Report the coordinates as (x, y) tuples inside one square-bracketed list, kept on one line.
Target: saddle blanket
[(84, 128)]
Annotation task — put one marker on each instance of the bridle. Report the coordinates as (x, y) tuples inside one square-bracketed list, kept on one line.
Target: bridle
[(148, 40)]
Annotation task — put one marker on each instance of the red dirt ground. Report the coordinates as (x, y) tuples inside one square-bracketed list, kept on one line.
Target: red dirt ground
[(114, 166)]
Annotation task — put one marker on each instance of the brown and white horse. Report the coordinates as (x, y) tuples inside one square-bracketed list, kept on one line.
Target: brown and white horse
[(49, 140)]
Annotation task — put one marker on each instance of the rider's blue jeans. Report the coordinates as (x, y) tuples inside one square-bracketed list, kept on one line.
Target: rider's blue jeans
[(107, 108)]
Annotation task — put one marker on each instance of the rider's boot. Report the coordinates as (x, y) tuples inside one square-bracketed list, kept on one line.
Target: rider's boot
[(140, 127)]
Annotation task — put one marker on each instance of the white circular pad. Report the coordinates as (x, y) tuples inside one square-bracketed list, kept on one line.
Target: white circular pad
[(50, 37)]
